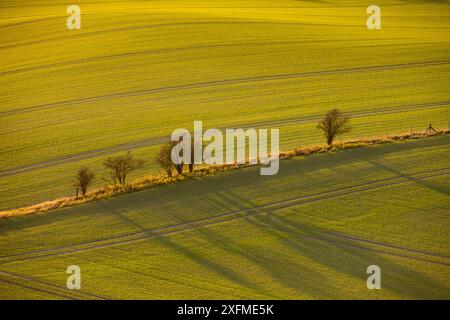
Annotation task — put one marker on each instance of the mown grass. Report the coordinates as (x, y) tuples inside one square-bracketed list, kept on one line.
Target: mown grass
[(70, 77), (284, 253)]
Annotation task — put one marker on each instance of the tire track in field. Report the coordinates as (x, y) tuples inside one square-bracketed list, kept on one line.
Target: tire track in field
[(224, 82), (185, 49), (71, 37), (364, 248), (47, 287), (239, 214), (170, 50), (355, 114), (51, 293), (154, 141), (383, 244)]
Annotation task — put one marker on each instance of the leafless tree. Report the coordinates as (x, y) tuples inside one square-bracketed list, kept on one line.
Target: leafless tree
[(334, 124), (121, 166), (191, 165), (164, 160), (84, 178), (178, 167)]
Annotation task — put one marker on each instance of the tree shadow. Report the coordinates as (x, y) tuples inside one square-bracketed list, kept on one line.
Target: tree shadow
[(422, 182), (278, 267), (193, 255), (348, 257)]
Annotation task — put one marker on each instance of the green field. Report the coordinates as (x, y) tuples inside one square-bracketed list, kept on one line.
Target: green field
[(138, 70), (309, 232)]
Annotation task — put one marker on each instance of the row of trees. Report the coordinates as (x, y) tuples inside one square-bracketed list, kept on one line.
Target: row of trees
[(333, 125), (119, 168), (164, 160)]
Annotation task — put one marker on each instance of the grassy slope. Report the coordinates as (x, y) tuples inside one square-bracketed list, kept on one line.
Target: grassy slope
[(131, 47), (279, 252)]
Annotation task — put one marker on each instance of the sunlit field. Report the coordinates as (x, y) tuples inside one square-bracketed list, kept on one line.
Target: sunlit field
[(137, 70), (307, 233)]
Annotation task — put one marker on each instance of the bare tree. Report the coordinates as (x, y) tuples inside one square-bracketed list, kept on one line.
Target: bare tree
[(164, 160), (191, 165), (334, 124), (178, 167), (121, 166), (84, 178)]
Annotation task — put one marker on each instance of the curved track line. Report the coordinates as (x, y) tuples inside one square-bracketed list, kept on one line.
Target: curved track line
[(227, 217), (45, 286), (220, 83), (154, 141), (51, 293), (383, 244), (357, 114), (170, 24), (183, 49), (375, 250), (169, 50)]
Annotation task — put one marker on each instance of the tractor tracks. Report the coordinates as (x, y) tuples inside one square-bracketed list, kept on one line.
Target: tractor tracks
[(243, 213), (46, 287), (167, 51), (154, 141), (224, 82)]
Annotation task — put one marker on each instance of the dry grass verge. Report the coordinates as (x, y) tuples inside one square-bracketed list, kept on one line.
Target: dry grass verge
[(108, 191)]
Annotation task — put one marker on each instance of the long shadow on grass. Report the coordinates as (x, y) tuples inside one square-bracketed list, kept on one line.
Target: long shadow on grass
[(247, 177), (206, 262), (283, 269), (310, 243), (193, 255), (425, 183), (396, 275)]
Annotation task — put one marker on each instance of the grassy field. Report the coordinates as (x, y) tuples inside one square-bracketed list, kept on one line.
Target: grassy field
[(308, 232), (138, 70)]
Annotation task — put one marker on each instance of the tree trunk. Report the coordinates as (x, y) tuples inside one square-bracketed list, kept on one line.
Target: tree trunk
[(330, 141)]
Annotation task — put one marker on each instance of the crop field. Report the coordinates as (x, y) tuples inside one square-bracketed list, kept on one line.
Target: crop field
[(307, 233), (137, 70)]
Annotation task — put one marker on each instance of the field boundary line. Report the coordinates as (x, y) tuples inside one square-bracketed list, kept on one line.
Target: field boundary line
[(155, 141)]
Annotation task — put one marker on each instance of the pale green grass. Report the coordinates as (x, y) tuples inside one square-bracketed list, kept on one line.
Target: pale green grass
[(131, 48), (33, 188), (297, 177), (284, 253), (138, 70), (9, 291)]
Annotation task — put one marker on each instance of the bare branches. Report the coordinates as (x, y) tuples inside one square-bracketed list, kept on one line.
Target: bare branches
[(84, 178), (121, 166), (334, 124), (163, 159)]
